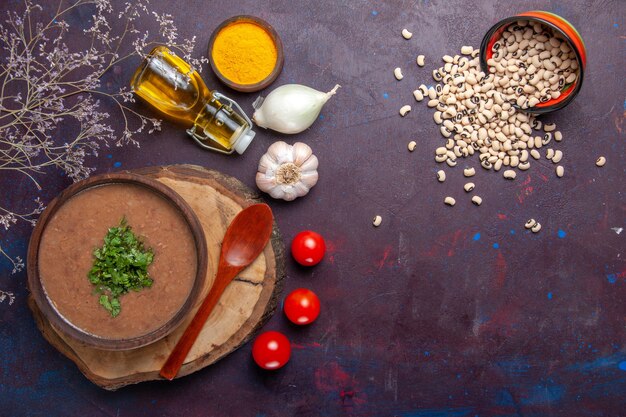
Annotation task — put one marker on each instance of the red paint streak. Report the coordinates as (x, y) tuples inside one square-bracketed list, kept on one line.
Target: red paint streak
[(525, 189), (500, 267), (332, 378), (333, 247), (448, 243), (382, 262), (346, 394), (502, 321), (543, 177), (502, 216), (455, 239)]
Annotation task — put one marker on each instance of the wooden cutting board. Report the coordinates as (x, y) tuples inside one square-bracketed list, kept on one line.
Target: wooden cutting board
[(246, 305)]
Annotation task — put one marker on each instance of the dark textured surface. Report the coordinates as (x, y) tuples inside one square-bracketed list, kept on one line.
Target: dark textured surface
[(438, 312)]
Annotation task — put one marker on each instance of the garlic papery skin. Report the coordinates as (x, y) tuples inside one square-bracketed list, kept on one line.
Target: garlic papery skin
[(290, 108), (287, 172)]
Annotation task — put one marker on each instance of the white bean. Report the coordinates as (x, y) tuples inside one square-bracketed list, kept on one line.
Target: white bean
[(469, 187), (509, 174), (441, 175), (477, 200), (420, 60), (560, 171), (412, 144), (398, 73), (469, 172), (601, 161), (406, 34), (377, 221), (449, 201), (404, 110)]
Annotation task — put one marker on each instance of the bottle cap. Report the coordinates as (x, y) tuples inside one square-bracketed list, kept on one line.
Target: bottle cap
[(244, 141)]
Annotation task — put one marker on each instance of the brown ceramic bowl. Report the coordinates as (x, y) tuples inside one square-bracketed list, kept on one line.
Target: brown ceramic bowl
[(158, 212), (249, 88)]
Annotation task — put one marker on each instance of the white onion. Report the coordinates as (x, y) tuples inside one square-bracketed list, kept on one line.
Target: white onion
[(290, 108)]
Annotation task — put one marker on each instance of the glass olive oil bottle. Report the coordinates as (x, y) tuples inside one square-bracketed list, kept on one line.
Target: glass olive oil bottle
[(169, 84)]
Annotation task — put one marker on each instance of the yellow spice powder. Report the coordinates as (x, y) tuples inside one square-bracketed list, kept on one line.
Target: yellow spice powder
[(244, 53)]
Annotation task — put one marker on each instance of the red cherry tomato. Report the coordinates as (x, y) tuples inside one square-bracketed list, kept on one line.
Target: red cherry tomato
[(308, 248), (271, 350), (302, 306)]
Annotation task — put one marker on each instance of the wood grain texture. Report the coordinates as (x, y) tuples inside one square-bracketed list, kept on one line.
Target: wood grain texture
[(245, 305)]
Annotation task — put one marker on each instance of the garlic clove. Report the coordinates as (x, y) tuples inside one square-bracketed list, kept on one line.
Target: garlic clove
[(310, 164), (301, 152), (309, 179)]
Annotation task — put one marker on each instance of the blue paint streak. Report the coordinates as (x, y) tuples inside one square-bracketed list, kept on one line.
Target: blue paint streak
[(549, 296), (599, 364), (385, 95), (561, 233), (548, 393), (476, 236), (496, 246), (512, 231), (622, 365), (374, 13), (109, 156), (117, 164), (615, 25), (612, 278), (321, 117)]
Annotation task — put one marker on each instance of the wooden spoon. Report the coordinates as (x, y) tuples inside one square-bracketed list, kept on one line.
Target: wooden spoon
[(245, 239)]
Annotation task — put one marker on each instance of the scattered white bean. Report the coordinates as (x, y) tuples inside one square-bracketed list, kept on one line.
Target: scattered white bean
[(549, 127), (558, 155), (377, 221), (398, 73), (449, 201), (560, 171), (550, 153), (467, 50), (536, 228), (600, 161), (412, 144), (558, 136), (530, 223), (477, 200), (406, 34), (404, 110), (509, 174), (418, 95), (469, 187), (469, 172), (420, 60), (441, 175)]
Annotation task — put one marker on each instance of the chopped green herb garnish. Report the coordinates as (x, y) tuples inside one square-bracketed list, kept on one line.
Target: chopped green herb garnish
[(120, 265)]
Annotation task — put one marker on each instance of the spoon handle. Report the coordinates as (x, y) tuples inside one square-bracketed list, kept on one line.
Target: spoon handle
[(186, 341)]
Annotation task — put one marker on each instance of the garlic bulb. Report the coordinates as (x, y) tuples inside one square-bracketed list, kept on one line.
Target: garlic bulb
[(291, 108), (286, 171)]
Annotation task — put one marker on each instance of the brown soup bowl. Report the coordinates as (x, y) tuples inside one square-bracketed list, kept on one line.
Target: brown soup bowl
[(81, 215)]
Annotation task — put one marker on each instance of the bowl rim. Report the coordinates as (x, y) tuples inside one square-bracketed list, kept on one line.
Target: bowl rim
[(504, 23), (280, 56), (63, 325)]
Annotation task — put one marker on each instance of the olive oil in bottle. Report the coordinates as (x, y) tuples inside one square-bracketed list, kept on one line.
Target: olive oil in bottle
[(168, 83)]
